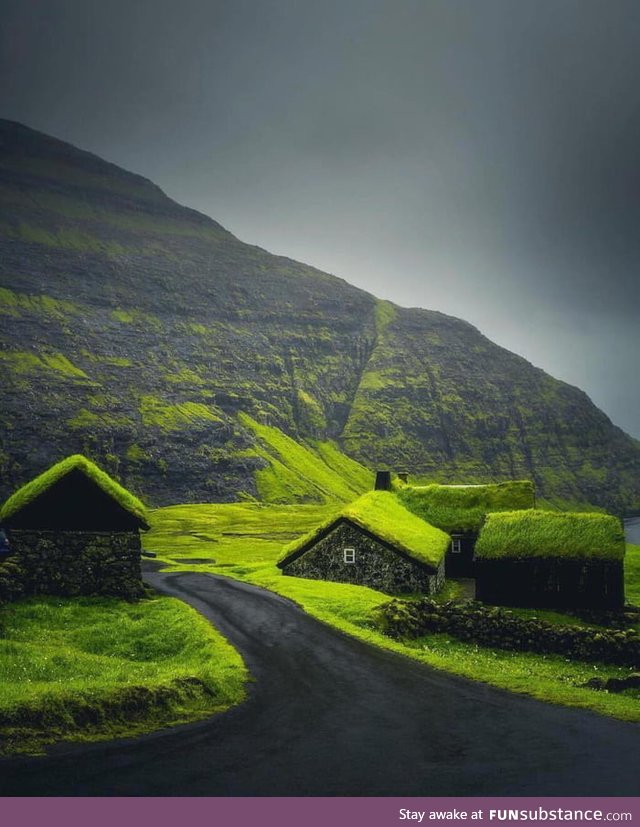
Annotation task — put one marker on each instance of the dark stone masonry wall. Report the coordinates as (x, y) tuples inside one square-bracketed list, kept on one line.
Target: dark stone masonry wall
[(375, 565), (72, 563)]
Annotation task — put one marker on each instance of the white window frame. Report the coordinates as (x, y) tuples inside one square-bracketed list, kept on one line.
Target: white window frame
[(456, 545), (349, 555)]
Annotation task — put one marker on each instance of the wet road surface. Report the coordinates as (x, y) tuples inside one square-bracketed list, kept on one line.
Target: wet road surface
[(328, 715)]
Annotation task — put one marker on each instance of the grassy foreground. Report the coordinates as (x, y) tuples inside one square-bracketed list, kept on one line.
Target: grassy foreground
[(93, 668), (245, 540)]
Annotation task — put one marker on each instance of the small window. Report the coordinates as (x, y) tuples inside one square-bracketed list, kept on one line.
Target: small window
[(456, 545), (349, 555)]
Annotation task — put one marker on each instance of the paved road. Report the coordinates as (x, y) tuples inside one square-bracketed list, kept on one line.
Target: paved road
[(328, 715)]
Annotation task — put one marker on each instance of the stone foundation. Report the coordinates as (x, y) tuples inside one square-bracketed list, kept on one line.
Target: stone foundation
[(73, 563)]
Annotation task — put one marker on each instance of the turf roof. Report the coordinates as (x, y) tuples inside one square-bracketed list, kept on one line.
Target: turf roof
[(382, 514), (565, 535), (32, 490), (464, 507)]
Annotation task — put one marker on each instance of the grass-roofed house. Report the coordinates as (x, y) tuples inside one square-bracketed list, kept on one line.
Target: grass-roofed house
[(461, 510), (75, 531), (551, 560), (375, 541)]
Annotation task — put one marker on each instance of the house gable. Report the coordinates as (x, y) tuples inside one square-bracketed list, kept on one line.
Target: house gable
[(74, 495), (345, 552), (385, 518)]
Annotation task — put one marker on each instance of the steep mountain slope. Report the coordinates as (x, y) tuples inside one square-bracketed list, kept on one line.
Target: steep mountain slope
[(140, 332)]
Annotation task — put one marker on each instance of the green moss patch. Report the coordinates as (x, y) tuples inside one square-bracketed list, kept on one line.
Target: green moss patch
[(17, 304), (158, 414), (89, 420), (568, 535), (382, 514), (29, 362), (464, 507), (29, 492)]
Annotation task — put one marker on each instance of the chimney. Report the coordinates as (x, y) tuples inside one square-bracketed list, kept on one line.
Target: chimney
[(383, 481), (403, 476)]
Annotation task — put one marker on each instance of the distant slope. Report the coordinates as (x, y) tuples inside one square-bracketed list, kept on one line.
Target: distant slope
[(138, 331), (318, 472)]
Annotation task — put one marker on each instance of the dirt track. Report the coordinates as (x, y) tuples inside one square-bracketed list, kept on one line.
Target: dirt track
[(328, 715)]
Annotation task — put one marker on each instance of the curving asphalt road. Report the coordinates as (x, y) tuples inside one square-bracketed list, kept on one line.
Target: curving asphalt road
[(328, 715)]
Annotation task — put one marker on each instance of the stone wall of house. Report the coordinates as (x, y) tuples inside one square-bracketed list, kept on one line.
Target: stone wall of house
[(375, 565), (72, 563)]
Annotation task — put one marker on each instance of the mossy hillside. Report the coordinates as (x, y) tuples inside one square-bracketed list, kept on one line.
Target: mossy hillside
[(381, 513), (33, 489), (533, 534), (67, 238), (439, 399), (189, 314), (250, 551), (352, 473), (97, 668), (111, 411), (464, 507), (296, 473)]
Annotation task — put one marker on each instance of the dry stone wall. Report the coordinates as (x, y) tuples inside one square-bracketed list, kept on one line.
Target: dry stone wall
[(73, 563)]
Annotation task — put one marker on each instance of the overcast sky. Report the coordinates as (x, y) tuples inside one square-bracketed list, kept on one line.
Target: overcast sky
[(478, 157)]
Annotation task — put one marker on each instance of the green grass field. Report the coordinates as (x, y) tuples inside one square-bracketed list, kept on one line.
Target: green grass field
[(98, 668), (245, 540), (93, 668)]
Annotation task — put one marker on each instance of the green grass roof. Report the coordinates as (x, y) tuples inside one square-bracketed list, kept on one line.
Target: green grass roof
[(567, 535), (381, 513), (464, 507), (29, 492)]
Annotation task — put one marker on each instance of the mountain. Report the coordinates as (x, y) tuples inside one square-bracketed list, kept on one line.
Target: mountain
[(147, 336)]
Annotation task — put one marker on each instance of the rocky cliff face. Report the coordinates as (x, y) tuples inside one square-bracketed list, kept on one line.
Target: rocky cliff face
[(138, 331)]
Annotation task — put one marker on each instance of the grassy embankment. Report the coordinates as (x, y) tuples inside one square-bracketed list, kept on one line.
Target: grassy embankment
[(245, 540), (94, 668)]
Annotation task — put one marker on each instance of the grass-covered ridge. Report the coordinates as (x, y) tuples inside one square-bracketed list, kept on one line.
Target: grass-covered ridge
[(29, 492), (566, 535), (382, 514), (96, 668), (464, 507), (317, 472)]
